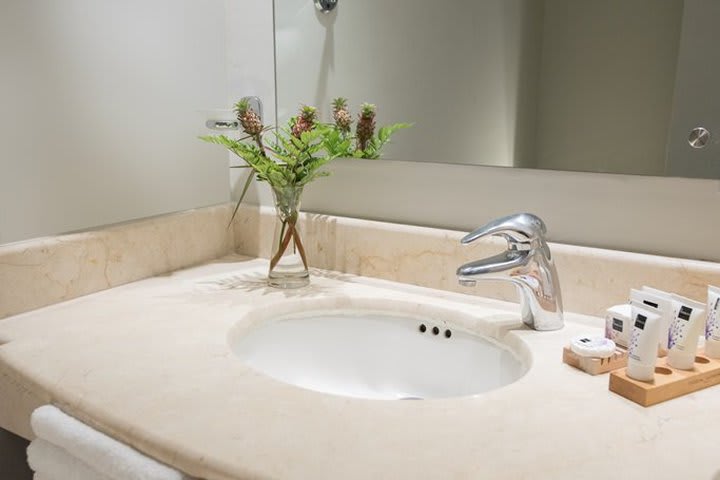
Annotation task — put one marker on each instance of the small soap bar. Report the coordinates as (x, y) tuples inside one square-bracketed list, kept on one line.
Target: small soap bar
[(592, 346), (617, 324)]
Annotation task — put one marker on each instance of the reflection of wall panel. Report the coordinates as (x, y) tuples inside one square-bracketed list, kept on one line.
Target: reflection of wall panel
[(461, 73), (613, 211), (607, 79), (101, 107), (697, 93)]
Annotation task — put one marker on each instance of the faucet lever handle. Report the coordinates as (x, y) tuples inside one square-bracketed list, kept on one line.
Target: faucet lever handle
[(517, 228)]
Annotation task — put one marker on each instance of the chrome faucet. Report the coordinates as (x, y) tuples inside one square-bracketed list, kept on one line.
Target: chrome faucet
[(527, 263)]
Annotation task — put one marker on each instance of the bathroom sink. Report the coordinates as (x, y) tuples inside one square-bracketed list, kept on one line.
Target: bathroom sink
[(388, 354)]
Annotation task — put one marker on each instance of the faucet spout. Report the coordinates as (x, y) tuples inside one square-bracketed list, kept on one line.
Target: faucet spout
[(527, 263), (502, 263)]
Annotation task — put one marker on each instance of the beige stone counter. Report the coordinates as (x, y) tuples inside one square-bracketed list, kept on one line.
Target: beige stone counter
[(149, 363)]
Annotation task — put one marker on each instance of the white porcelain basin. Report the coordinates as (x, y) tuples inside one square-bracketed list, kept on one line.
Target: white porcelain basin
[(372, 354)]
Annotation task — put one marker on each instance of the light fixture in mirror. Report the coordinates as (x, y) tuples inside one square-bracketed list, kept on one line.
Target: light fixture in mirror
[(326, 6), (575, 85)]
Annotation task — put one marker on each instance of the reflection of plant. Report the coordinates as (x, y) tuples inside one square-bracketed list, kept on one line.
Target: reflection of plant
[(305, 122), (341, 115), (291, 156), (365, 144)]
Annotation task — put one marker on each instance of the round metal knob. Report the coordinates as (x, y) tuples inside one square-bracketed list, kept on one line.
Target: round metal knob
[(326, 6), (699, 137)]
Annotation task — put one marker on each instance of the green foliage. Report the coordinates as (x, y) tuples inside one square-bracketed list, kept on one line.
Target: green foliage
[(241, 107), (343, 145), (368, 109), (377, 142), (339, 102), (285, 158), (288, 160)]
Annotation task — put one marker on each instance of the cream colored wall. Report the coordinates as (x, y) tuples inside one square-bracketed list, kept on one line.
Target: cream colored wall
[(101, 105)]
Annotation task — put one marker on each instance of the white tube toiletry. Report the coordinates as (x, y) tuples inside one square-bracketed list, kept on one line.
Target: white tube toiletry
[(618, 324), (643, 349), (660, 304), (685, 331), (712, 328)]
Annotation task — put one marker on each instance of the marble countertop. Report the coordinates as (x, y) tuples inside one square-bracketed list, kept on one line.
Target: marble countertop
[(149, 364)]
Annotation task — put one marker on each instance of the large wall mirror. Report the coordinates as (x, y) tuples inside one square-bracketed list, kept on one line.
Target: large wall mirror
[(615, 86)]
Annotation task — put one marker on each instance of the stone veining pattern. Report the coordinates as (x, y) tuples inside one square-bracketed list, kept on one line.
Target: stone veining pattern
[(44, 271)]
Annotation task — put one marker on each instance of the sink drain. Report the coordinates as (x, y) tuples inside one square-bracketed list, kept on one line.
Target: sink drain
[(411, 398)]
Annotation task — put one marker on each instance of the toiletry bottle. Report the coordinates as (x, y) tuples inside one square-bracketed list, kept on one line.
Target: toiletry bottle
[(660, 304), (643, 349), (618, 325), (712, 328), (685, 331)]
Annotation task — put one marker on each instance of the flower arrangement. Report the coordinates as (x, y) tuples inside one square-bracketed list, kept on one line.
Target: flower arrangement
[(291, 156), (294, 154)]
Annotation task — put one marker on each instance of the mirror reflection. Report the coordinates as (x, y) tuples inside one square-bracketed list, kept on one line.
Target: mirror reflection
[(574, 85)]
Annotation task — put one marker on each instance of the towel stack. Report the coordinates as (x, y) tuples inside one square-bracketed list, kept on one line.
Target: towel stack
[(67, 449)]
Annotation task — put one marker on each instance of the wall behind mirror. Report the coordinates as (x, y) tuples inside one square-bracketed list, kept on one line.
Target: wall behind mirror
[(576, 85), (102, 103)]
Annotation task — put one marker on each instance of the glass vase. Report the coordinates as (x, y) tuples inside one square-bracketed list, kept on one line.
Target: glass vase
[(288, 261)]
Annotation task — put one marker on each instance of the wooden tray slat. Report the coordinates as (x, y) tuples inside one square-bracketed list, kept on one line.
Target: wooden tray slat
[(669, 383), (595, 366)]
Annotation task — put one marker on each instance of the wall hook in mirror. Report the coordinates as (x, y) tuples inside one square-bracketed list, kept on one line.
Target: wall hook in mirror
[(214, 124), (227, 122), (326, 6)]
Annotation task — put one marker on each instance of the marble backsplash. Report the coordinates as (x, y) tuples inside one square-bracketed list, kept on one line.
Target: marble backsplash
[(48, 270), (43, 271), (591, 279)]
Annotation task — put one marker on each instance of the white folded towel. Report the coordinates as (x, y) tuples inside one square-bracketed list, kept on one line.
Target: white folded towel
[(101, 453), (50, 461)]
